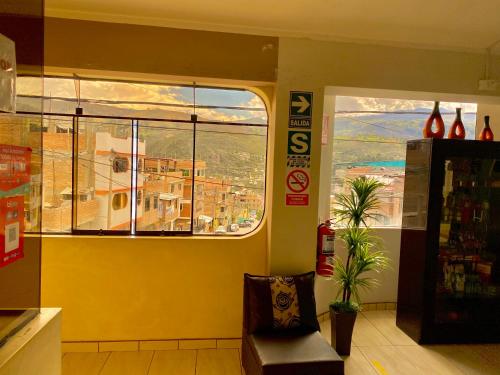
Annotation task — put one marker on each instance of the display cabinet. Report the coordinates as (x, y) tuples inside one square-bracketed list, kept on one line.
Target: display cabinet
[(449, 273)]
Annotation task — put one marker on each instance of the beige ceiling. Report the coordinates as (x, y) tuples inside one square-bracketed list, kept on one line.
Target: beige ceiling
[(447, 24)]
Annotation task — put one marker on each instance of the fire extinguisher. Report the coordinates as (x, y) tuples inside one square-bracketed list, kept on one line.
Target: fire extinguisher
[(325, 249)]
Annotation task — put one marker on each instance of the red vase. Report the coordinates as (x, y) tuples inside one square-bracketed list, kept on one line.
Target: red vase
[(434, 117), (486, 133), (457, 130)]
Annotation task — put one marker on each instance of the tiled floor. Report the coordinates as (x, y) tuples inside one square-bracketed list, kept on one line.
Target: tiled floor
[(379, 347)]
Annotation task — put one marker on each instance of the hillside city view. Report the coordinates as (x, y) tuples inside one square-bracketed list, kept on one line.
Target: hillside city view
[(135, 169), (380, 128), (141, 175)]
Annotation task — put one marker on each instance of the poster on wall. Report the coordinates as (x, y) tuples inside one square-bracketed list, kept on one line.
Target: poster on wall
[(15, 171), (7, 75)]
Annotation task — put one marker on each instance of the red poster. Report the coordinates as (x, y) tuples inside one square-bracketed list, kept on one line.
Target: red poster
[(11, 229), (14, 185), (297, 199)]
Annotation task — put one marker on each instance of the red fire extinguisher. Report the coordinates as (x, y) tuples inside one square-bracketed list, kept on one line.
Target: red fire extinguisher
[(325, 249)]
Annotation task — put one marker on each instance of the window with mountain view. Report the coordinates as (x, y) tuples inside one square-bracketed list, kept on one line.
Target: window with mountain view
[(148, 158), (377, 129)]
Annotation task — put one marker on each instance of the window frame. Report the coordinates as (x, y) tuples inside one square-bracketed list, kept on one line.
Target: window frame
[(137, 162)]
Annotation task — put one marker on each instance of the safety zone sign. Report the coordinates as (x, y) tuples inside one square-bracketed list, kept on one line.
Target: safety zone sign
[(299, 142), (297, 183)]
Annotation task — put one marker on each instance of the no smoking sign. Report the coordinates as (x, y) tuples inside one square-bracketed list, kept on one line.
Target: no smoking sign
[(297, 183)]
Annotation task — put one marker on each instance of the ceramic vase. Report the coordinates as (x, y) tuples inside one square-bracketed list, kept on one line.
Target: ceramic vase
[(486, 133), (436, 118), (457, 130)]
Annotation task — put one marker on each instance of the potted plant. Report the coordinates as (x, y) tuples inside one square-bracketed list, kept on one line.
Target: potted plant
[(364, 254)]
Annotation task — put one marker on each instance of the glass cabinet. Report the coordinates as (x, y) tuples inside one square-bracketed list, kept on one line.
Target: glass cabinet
[(449, 275)]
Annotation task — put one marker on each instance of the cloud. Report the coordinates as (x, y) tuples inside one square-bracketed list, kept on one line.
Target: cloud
[(150, 93), (352, 103)]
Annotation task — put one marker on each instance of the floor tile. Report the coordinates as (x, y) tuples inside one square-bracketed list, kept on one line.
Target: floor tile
[(218, 362), (173, 362), (387, 361), (83, 363), (427, 361), (357, 364), (467, 359), (128, 363), (385, 323), (365, 333)]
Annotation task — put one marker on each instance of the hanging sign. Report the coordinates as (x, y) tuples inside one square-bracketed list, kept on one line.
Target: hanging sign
[(7, 75), (300, 109), (15, 171)]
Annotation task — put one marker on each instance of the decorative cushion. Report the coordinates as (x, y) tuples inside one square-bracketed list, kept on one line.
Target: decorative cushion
[(280, 303), (286, 311)]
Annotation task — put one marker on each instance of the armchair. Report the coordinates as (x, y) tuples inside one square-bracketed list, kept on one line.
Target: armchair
[(281, 330)]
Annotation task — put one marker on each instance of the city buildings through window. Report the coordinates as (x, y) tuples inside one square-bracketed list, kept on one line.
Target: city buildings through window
[(378, 128), (147, 158)]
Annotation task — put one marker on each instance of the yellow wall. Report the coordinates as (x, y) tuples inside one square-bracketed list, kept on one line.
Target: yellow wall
[(149, 288), (85, 45), (131, 288)]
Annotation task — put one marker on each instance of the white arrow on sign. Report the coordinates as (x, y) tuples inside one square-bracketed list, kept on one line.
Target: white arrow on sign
[(302, 103)]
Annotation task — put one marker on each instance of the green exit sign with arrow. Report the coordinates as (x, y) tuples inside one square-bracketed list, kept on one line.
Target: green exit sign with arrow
[(300, 109)]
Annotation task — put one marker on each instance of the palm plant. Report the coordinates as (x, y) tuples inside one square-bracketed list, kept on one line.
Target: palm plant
[(364, 252)]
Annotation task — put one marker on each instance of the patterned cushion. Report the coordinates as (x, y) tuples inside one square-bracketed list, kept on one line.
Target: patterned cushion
[(280, 303), (286, 311)]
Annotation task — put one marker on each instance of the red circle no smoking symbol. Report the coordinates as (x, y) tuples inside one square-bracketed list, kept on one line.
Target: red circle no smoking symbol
[(297, 181)]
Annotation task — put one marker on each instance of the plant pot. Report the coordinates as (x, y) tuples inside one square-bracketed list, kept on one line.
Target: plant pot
[(342, 325)]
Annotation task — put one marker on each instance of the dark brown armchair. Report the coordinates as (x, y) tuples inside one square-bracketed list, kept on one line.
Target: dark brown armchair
[(281, 330)]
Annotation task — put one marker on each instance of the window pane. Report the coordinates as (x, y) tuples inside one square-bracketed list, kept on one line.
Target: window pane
[(103, 191), (236, 106), (130, 99), (164, 175), (57, 173), (103, 163), (230, 178), (378, 129)]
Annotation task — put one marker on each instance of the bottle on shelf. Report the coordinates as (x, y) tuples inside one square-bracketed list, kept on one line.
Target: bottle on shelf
[(434, 117), (486, 133), (457, 130)]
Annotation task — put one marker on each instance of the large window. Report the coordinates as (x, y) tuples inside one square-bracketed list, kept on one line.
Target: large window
[(149, 159), (370, 137)]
